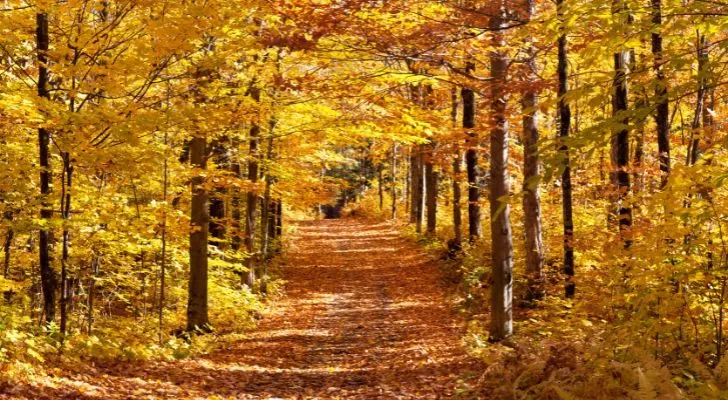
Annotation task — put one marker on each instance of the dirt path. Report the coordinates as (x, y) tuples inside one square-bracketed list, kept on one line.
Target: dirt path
[(364, 317)]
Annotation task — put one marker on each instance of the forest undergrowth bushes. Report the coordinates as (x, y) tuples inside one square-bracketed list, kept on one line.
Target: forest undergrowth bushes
[(29, 350), (647, 321)]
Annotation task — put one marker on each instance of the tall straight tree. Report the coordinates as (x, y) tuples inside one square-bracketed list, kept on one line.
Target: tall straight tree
[(197, 317), (475, 229), (620, 134), (380, 185), (501, 324), (564, 126), (431, 183), (700, 107), (531, 173), (197, 314), (393, 183), (251, 210), (418, 187), (457, 218), (662, 106), (47, 274)]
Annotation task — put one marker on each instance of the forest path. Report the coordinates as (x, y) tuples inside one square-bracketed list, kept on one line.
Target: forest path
[(364, 316)]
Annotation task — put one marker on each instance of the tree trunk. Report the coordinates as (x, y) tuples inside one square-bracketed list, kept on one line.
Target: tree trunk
[(431, 184), (639, 151), (217, 218), (273, 206), (380, 185), (408, 183), (47, 274), (418, 188), (197, 317), (279, 218), (564, 127), (393, 188), (471, 159), (662, 110), (251, 212), (411, 187), (266, 206), (620, 134), (531, 175), (501, 325), (457, 216), (700, 109), (66, 215), (163, 263)]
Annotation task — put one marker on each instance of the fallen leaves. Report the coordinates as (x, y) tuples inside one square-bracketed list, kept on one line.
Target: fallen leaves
[(365, 317)]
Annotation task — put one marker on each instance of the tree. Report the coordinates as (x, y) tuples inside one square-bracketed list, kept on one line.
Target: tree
[(431, 183), (501, 325), (251, 213), (662, 108), (457, 161), (393, 177), (531, 174), (564, 126), (471, 160), (197, 314), (417, 192), (620, 132), (48, 275)]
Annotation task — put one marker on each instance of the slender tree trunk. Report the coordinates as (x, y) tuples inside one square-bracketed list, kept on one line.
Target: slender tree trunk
[(380, 185), (251, 212), (418, 188), (501, 325), (639, 150), (279, 218), (564, 126), (694, 145), (163, 263), (457, 215), (49, 281), (662, 110), (197, 316), (531, 175), (266, 206), (92, 292), (431, 184), (66, 215), (408, 183), (273, 206), (412, 186), (235, 213), (620, 135), (708, 121), (471, 159), (393, 172)]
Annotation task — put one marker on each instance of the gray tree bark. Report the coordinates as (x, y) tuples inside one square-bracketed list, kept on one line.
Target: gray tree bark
[(501, 325), (531, 173)]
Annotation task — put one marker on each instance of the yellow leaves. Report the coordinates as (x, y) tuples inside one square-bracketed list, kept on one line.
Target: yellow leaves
[(32, 352)]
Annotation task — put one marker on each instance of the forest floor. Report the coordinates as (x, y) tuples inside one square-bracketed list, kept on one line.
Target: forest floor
[(365, 315)]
